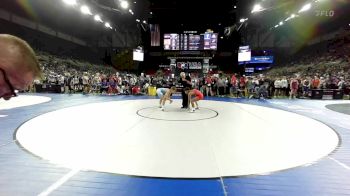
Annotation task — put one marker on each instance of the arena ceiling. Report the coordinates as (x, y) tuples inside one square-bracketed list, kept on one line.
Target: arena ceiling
[(201, 15), (69, 19), (179, 14), (192, 15), (324, 15)]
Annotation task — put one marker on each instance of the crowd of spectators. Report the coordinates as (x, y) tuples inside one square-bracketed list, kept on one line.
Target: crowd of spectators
[(68, 75), (327, 70)]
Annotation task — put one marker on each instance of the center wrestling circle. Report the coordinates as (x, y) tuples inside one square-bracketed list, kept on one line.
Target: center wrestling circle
[(243, 140), (176, 114)]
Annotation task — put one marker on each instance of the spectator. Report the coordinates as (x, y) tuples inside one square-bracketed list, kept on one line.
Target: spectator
[(18, 66), (316, 83), (294, 85)]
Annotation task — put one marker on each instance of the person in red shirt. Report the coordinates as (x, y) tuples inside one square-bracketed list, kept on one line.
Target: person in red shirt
[(316, 83), (194, 96), (233, 88), (294, 85), (242, 81)]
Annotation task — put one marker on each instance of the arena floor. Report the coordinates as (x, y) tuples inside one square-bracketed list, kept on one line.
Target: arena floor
[(124, 145)]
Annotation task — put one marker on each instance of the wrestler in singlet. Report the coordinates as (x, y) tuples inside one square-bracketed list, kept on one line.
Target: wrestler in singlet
[(198, 94), (161, 92)]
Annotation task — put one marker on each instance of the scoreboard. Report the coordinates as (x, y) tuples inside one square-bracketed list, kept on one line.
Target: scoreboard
[(189, 41)]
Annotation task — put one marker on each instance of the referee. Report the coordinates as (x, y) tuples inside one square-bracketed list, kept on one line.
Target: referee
[(185, 81)]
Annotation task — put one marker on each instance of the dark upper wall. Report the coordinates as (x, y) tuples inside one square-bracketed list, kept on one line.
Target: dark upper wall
[(52, 44), (68, 20), (46, 38)]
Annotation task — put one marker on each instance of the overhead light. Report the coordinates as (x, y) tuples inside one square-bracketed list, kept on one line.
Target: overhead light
[(144, 22), (108, 25), (257, 8), (137, 20), (281, 23), (276, 26), (221, 37), (135, 2), (98, 18), (305, 8), (70, 2), (235, 7), (242, 20), (290, 17), (151, 13), (85, 10), (124, 4)]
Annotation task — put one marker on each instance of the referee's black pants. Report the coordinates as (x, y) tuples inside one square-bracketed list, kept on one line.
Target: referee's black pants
[(184, 98)]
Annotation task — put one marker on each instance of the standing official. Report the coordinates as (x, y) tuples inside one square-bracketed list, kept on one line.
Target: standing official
[(186, 83)]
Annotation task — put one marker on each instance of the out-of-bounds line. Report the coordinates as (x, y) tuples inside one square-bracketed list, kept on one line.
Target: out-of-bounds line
[(223, 186), (218, 167), (59, 183), (340, 163)]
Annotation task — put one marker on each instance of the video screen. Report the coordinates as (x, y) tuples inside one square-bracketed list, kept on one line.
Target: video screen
[(194, 42), (206, 41), (210, 41), (244, 54), (171, 41), (137, 55), (261, 59)]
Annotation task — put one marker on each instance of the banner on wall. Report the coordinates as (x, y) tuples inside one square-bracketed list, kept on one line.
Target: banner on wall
[(155, 34), (189, 65), (164, 66), (259, 60)]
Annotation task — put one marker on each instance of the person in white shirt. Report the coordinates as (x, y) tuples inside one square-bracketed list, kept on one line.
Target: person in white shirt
[(341, 83), (284, 86), (86, 83), (278, 86)]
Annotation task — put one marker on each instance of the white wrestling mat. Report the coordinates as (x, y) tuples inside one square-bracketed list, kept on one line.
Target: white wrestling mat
[(134, 137), (21, 101)]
